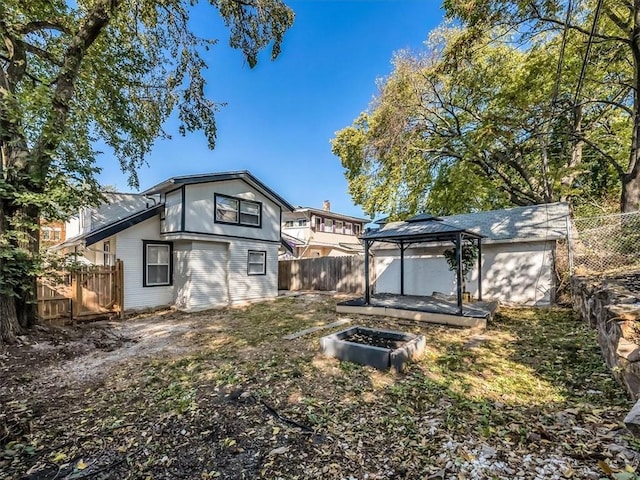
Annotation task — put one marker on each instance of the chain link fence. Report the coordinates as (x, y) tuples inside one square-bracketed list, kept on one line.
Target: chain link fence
[(606, 244)]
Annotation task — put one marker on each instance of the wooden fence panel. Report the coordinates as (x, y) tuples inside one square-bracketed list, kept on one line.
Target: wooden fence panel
[(341, 274), (92, 290)]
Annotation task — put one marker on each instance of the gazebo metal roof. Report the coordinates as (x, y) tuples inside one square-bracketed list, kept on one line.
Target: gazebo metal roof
[(429, 229)]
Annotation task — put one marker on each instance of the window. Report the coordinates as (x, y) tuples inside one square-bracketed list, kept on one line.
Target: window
[(339, 224), (288, 223), (328, 225), (302, 222), (46, 233), (157, 263), (257, 262), (238, 211), (226, 209), (56, 234), (106, 248), (356, 229), (318, 223), (348, 229)]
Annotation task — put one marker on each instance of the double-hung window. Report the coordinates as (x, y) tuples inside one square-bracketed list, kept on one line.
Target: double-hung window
[(328, 225), (238, 211), (157, 263), (348, 230), (257, 262)]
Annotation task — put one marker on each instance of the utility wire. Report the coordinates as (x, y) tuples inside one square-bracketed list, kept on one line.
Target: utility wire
[(563, 45), (583, 70)]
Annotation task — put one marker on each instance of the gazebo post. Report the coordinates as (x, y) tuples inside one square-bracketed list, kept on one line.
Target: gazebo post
[(366, 272), (401, 267), (459, 270), (479, 269)]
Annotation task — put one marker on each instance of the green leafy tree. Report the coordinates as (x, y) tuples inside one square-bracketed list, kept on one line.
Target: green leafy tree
[(72, 73), (611, 28), (471, 125)]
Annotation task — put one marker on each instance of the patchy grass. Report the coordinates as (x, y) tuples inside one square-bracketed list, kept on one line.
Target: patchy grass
[(528, 398)]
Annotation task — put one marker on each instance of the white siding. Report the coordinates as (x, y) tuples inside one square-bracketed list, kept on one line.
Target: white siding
[(181, 274), (244, 287), (511, 272), (207, 279), (173, 212), (129, 243), (200, 210)]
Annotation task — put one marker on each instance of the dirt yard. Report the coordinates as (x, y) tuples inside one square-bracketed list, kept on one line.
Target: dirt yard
[(220, 394)]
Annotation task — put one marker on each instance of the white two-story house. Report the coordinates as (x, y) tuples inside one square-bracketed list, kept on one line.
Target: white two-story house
[(312, 232), (196, 241)]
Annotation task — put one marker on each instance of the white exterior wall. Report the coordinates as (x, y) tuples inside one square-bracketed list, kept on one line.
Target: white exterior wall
[(511, 272), (129, 250), (244, 287), (207, 284), (200, 210), (173, 212)]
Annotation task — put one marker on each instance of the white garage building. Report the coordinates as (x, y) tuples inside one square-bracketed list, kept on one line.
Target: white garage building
[(517, 256)]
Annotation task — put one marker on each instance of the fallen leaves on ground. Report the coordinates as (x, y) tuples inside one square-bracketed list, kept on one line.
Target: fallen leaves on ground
[(224, 396)]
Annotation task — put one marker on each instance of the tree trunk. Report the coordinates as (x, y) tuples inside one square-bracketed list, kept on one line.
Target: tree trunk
[(630, 199), (577, 147), (9, 325)]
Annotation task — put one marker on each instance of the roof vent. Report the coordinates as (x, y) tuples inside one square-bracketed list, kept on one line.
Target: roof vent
[(424, 217)]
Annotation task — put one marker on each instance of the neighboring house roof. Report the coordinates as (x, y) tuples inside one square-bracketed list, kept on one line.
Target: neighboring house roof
[(328, 213), (174, 182), (105, 231), (523, 224), (291, 240)]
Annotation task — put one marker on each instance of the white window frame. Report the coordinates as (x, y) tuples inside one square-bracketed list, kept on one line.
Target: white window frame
[(348, 228), (263, 262), (240, 215), (328, 228), (146, 264)]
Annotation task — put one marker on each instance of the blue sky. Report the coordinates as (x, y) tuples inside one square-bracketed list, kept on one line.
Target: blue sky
[(280, 116)]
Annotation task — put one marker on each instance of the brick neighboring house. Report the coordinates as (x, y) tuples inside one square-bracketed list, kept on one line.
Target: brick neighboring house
[(52, 233), (312, 232)]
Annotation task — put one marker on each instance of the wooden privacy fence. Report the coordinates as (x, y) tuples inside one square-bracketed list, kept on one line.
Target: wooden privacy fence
[(342, 274), (88, 291)]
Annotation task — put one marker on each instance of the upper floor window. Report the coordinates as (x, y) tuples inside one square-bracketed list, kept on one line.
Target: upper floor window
[(238, 211), (302, 222), (348, 230), (328, 225), (356, 229), (339, 225), (317, 223), (288, 223)]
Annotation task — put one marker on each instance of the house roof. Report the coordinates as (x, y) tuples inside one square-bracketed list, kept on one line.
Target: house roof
[(535, 222), (519, 224), (105, 231), (328, 213), (118, 206), (174, 182)]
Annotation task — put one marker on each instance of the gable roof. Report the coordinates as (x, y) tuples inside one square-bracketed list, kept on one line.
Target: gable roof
[(534, 222), (174, 182), (118, 206), (109, 229), (518, 224)]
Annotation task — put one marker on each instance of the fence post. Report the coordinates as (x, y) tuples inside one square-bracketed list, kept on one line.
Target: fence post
[(119, 278), (76, 294)]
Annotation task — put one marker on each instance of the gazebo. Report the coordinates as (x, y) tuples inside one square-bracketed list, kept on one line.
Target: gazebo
[(422, 229)]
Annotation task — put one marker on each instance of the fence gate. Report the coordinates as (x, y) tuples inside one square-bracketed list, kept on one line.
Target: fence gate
[(88, 291), (341, 274)]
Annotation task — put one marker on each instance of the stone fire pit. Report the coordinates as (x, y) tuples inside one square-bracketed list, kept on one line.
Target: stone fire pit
[(382, 349)]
